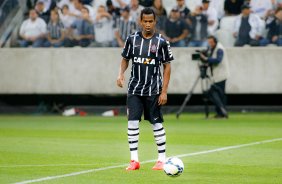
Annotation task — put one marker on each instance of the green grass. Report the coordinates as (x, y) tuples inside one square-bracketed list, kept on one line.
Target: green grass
[(34, 147)]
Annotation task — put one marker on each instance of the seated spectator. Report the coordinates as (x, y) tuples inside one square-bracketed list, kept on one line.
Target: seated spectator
[(55, 31), (85, 31), (66, 17), (161, 14), (175, 29), (39, 7), (198, 24), (274, 26), (247, 28), (114, 11), (211, 15), (103, 27), (32, 31), (146, 3), (218, 5), (120, 3), (233, 7), (135, 10), (69, 4), (124, 26), (79, 6), (183, 9), (48, 4), (261, 7)]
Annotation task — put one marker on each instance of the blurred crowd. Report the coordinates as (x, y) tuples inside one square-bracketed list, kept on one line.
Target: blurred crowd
[(90, 23)]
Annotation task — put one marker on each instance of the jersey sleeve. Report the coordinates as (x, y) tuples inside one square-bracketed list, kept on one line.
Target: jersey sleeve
[(166, 52), (127, 49)]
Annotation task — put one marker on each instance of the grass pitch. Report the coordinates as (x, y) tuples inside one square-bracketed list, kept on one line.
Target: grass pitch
[(33, 147)]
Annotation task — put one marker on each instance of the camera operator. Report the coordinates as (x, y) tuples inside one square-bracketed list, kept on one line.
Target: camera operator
[(216, 58)]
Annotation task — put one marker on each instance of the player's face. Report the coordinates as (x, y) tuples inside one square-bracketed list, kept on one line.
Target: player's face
[(148, 23)]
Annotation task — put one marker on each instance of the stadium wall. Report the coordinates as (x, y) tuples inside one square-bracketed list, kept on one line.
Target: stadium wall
[(94, 71)]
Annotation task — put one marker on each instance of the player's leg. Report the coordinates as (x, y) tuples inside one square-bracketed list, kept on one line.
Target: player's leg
[(135, 109), (154, 115)]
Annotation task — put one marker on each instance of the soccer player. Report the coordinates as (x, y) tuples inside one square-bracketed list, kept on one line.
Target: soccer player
[(147, 92)]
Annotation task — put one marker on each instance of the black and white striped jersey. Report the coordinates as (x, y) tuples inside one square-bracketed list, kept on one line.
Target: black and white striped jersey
[(147, 56)]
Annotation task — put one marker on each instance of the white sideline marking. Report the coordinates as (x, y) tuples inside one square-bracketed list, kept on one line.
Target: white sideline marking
[(148, 161), (43, 165)]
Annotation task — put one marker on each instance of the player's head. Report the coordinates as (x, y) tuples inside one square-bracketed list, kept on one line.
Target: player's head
[(148, 20)]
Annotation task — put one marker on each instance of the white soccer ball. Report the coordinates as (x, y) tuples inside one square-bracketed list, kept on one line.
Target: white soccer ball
[(173, 167)]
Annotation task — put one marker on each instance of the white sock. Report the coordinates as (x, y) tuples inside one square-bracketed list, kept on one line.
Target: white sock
[(160, 138), (133, 138)]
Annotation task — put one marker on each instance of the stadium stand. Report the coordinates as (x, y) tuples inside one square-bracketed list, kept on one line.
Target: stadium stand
[(12, 10)]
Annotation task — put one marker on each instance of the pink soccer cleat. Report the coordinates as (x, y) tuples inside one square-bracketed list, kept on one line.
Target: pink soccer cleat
[(158, 166), (134, 165)]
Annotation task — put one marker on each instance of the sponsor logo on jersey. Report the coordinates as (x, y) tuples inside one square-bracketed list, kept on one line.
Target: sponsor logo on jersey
[(146, 61)]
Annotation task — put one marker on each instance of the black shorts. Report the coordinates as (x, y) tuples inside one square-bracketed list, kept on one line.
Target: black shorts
[(136, 105)]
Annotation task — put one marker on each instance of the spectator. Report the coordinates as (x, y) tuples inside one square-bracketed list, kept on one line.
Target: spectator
[(247, 28), (198, 23), (183, 9), (114, 11), (32, 31), (103, 27), (261, 7), (55, 31), (160, 12), (69, 4), (175, 29), (124, 26), (39, 7), (48, 4), (146, 3), (274, 25), (120, 3), (211, 15), (79, 6), (66, 17), (135, 10), (85, 31), (233, 7), (218, 5)]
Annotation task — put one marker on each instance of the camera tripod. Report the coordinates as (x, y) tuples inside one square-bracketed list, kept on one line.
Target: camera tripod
[(209, 91)]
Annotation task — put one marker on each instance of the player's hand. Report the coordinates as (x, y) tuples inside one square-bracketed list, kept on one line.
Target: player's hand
[(162, 99), (120, 81)]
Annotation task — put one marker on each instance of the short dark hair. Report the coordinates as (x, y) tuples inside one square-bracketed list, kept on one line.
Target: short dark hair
[(213, 38), (147, 11), (85, 8)]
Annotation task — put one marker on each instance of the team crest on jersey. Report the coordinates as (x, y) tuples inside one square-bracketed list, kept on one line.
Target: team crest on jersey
[(153, 48)]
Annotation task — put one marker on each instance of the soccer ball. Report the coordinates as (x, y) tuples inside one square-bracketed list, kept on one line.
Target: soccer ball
[(173, 167)]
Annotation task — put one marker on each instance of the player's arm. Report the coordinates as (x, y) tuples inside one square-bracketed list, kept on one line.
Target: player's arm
[(166, 78), (166, 72), (122, 69)]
